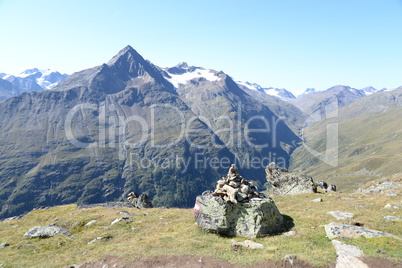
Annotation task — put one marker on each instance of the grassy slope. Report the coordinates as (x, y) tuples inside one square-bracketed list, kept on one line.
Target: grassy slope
[(369, 148), (174, 232)]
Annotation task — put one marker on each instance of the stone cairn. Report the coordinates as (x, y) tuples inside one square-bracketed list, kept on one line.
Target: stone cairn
[(139, 201), (234, 188)]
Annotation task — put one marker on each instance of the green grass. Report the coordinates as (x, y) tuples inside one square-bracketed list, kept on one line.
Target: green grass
[(161, 232), (369, 149)]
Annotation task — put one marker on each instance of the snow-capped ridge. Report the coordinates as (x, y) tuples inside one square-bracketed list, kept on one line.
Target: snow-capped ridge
[(251, 86), (277, 92), (182, 73), (44, 78)]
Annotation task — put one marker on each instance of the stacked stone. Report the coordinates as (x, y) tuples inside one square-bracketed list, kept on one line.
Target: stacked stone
[(139, 201), (234, 188)]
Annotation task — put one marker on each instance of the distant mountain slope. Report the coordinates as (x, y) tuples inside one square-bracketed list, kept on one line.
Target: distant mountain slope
[(7, 89), (249, 129), (370, 142), (100, 133), (31, 80), (277, 92), (317, 101), (289, 113)]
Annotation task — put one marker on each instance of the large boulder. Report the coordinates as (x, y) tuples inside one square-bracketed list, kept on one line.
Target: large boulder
[(286, 183), (46, 231), (256, 218)]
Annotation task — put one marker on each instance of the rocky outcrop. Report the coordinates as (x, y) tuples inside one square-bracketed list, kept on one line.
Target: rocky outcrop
[(286, 183), (139, 201), (230, 212), (46, 231)]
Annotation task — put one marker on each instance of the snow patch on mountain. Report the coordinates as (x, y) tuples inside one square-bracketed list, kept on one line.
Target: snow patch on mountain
[(277, 92), (251, 86), (182, 74), (45, 78)]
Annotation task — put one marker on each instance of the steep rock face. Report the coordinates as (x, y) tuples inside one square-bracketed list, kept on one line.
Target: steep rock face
[(249, 129), (100, 133)]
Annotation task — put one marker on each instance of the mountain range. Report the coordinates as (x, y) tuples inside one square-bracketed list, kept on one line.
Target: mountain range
[(129, 125), (27, 81), (122, 127)]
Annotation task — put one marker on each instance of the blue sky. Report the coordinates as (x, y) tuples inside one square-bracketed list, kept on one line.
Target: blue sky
[(292, 44)]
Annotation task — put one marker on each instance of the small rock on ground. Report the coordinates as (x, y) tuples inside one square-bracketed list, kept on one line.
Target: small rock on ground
[(3, 245), (126, 213), (247, 244), (290, 233), (90, 223), (340, 215), (348, 256), (127, 219), (392, 218), (317, 200)]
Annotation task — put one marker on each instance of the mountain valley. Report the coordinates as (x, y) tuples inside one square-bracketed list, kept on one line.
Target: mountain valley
[(129, 125)]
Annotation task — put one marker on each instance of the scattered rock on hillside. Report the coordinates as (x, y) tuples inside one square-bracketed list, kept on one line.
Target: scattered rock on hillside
[(340, 215), (393, 193), (126, 219), (290, 233), (383, 187), (392, 218), (317, 200), (46, 231), (90, 223), (290, 259), (286, 183), (4, 245), (109, 205), (228, 213), (339, 230), (348, 255), (325, 186), (99, 238), (247, 244), (126, 213), (139, 201)]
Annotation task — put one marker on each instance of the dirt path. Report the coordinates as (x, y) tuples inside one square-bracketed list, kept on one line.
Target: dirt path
[(185, 262)]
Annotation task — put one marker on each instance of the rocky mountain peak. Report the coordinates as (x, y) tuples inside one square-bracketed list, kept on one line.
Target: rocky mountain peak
[(129, 64), (183, 65)]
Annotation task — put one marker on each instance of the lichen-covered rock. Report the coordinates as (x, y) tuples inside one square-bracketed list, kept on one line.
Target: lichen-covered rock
[(339, 230), (286, 183), (348, 256), (256, 218), (340, 215), (46, 231)]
